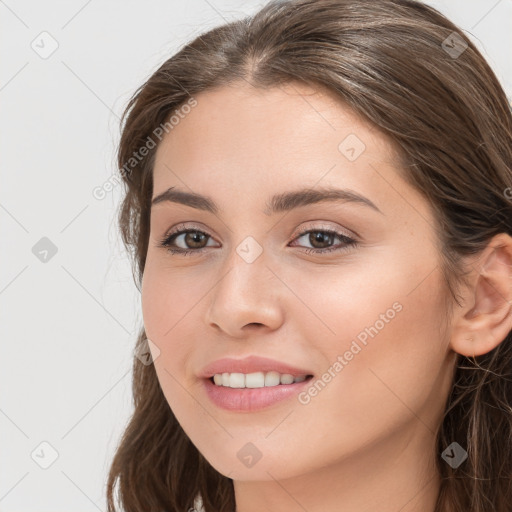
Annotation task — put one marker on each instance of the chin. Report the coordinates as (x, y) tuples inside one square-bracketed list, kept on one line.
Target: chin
[(245, 463)]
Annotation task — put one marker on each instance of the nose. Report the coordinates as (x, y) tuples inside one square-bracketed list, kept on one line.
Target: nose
[(245, 299)]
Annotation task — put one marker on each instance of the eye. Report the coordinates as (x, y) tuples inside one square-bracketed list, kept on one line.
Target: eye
[(194, 241), (191, 237), (323, 237)]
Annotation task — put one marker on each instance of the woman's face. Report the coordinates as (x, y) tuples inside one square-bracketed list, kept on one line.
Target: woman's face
[(364, 319)]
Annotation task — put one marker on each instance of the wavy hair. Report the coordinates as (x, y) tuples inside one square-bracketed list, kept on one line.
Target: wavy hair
[(412, 73)]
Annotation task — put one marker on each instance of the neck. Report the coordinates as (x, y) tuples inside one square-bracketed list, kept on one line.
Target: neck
[(398, 474)]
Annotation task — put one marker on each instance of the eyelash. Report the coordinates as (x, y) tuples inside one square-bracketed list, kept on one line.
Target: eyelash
[(169, 239)]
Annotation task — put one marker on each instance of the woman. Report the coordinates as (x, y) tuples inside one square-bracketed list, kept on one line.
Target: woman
[(319, 207)]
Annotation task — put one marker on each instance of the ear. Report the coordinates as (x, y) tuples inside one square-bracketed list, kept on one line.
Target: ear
[(486, 317)]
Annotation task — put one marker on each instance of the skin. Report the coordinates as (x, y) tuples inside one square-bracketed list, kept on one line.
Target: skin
[(367, 441)]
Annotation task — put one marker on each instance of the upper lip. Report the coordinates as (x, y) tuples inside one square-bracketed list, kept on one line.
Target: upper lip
[(250, 364)]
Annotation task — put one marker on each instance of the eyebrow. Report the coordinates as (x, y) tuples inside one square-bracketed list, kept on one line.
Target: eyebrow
[(278, 203)]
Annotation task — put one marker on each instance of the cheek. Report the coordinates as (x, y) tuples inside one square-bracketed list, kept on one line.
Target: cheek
[(168, 297), (168, 300), (384, 350), (376, 333)]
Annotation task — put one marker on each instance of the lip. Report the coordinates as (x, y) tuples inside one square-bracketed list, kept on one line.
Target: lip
[(250, 364), (251, 399)]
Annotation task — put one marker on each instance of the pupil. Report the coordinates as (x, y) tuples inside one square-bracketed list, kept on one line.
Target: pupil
[(195, 235), (319, 237)]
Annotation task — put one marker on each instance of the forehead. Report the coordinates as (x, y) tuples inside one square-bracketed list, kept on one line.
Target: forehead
[(293, 109), (285, 131)]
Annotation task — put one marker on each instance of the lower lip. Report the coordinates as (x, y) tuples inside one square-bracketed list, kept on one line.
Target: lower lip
[(251, 399)]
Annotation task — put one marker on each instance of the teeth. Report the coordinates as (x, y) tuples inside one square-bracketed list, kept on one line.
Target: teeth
[(255, 380), (272, 379), (236, 380)]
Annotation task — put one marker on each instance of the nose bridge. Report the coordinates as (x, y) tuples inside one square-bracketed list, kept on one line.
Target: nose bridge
[(244, 284), (246, 292)]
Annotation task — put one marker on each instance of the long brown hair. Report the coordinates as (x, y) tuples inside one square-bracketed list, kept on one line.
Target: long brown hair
[(412, 73)]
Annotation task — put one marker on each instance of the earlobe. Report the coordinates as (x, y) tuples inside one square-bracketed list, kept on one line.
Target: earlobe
[(486, 319)]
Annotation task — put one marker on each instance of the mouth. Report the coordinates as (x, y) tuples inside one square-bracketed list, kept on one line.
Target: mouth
[(250, 393), (256, 380), (252, 383)]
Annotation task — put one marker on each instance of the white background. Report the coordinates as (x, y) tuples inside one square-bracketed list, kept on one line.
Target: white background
[(69, 324)]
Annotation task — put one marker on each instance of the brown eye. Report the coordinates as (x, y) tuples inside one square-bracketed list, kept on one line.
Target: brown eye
[(190, 241), (321, 240), (185, 241), (193, 239)]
